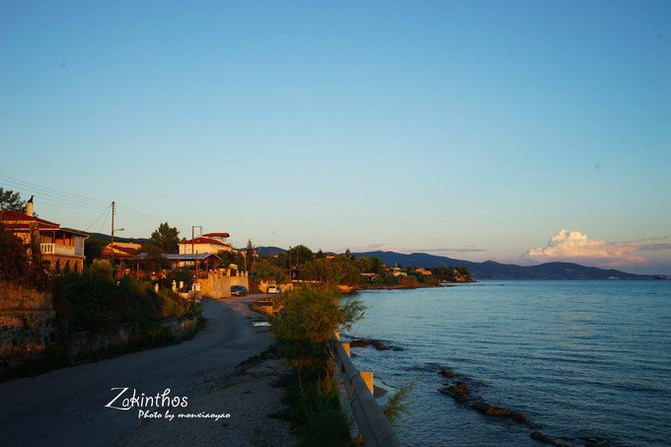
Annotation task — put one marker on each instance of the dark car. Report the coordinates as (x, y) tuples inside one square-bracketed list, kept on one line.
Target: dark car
[(239, 290)]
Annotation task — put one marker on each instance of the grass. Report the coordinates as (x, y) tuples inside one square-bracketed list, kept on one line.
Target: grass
[(314, 409)]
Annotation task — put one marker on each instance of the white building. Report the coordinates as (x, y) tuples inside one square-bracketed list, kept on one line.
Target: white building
[(206, 243)]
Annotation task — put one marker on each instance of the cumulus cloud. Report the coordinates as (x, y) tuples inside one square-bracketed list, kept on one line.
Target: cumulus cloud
[(574, 246)]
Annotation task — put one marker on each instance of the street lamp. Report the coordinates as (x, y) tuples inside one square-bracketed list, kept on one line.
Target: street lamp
[(112, 243)]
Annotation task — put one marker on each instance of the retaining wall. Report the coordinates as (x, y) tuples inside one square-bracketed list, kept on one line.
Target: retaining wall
[(26, 323), (218, 286)]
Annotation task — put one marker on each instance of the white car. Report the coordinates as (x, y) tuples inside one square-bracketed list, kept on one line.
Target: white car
[(273, 289)]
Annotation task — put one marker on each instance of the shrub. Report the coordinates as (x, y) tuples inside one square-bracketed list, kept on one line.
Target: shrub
[(305, 326), (92, 301), (102, 268)]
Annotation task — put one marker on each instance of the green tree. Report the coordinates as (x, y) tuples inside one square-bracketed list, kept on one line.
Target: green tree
[(229, 257), (165, 238), (249, 255), (15, 263), (340, 270), (11, 201), (310, 316), (264, 270), (102, 268), (93, 248), (300, 254)]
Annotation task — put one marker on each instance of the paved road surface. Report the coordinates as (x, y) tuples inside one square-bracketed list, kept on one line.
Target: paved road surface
[(67, 406)]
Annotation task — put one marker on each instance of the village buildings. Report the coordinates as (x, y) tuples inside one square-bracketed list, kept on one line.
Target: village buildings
[(60, 248), (206, 243)]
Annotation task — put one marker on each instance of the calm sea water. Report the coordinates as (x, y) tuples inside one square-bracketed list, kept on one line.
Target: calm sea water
[(581, 359)]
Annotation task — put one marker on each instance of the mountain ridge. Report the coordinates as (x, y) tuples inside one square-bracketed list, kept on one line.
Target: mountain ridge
[(495, 270)]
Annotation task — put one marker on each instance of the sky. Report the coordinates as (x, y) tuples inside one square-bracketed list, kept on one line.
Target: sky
[(518, 131)]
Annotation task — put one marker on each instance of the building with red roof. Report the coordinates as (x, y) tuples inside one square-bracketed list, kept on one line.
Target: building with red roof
[(61, 248), (206, 243)]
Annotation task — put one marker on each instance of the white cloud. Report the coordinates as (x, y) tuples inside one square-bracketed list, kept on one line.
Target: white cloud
[(574, 246)]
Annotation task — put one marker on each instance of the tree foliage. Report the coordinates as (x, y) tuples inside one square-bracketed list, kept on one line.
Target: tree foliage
[(306, 325), (229, 257), (339, 270), (265, 271), (165, 238), (300, 254), (93, 248), (11, 201), (452, 274), (250, 255), (15, 263), (93, 301)]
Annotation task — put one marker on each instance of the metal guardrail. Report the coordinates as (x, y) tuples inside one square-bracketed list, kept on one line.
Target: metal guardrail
[(373, 425)]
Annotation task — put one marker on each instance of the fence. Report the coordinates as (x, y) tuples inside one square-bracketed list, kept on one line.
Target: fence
[(373, 425)]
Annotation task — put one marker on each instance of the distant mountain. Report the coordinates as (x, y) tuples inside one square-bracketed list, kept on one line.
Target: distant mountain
[(496, 270), (265, 251), (106, 237)]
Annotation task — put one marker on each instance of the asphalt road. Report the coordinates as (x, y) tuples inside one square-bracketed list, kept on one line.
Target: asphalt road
[(68, 406)]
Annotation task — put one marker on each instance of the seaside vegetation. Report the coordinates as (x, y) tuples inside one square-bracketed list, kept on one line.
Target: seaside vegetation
[(304, 330), (92, 301), (347, 269)]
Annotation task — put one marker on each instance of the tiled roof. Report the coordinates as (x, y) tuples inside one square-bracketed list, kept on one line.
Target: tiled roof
[(217, 235), (204, 240), (18, 221)]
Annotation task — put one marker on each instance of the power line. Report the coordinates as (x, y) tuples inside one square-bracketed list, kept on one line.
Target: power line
[(105, 221), (101, 215), (77, 201), (140, 214), (52, 193)]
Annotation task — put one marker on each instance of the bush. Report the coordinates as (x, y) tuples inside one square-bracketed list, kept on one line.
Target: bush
[(16, 265), (102, 268), (305, 326), (92, 301)]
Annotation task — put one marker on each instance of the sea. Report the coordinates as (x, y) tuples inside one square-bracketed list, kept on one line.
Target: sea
[(588, 363)]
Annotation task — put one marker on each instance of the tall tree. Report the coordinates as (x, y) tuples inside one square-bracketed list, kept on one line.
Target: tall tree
[(165, 238), (249, 255), (10, 200), (299, 255)]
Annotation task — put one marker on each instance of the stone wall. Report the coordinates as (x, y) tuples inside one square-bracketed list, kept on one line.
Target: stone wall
[(27, 328), (218, 286), (26, 323), (87, 341)]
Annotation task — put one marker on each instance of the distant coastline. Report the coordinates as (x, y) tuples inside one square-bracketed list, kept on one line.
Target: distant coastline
[(491, 270)]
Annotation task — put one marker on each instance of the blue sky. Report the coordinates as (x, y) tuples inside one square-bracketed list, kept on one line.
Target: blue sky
[(472, 129)]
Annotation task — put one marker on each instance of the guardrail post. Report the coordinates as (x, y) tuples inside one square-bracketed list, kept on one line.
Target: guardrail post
[(371, 423), (367, 377)]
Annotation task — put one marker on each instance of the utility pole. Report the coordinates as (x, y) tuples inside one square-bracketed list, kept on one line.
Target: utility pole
[(193, 235), (112, 245)]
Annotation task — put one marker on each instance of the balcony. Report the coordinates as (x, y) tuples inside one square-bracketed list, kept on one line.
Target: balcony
[(57, 249)]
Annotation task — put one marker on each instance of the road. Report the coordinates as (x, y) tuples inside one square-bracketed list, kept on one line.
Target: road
[(68, 406)]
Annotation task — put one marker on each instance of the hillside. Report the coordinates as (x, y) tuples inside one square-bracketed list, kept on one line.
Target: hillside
[(496, 270)]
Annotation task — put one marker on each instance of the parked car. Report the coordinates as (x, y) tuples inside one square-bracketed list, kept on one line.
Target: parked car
[(239, 290), (273, 289)]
